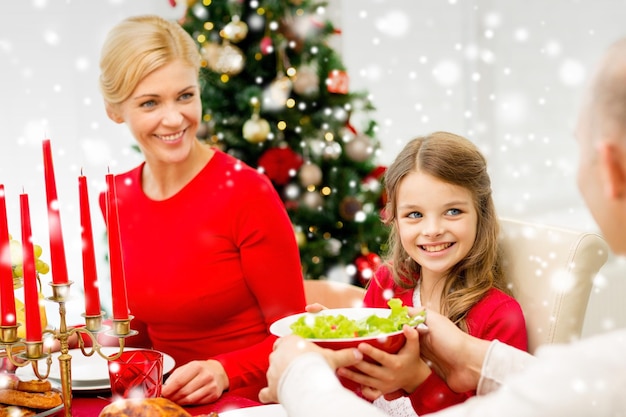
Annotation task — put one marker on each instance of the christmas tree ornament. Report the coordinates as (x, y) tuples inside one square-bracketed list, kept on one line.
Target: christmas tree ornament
[(291, 191), (224, 59), (360, 148), (306, 82), (332, 150), (349, 207), (333, 246), (366, 266), (300, 238), (276, 94), (372, 182), (337, 82), (256, 129), (310, 174), (316, 146), (266, 45), (235, 30), (280, 164), (312, 199), (340, 114)]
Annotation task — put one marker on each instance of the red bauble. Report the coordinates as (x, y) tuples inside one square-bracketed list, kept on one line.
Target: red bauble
[(376, 175), (366, 265), (267, 46), (280, 164), (338, 82)]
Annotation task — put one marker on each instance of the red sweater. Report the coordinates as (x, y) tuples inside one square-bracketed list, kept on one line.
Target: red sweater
[(209, 269), (495, 316)]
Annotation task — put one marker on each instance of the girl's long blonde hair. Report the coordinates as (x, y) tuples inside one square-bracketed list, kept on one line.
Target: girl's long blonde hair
[(455, 160)]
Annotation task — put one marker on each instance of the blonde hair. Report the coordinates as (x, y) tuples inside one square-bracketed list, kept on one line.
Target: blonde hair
[(455, 160), (137, 46)]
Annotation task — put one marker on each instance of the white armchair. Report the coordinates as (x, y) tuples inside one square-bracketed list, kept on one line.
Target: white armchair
[(550, 272)]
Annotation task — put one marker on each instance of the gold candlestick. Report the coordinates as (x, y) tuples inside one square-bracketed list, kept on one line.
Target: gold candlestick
[(21, 353)]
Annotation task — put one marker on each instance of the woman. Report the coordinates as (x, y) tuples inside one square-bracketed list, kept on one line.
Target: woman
[(210, 256)]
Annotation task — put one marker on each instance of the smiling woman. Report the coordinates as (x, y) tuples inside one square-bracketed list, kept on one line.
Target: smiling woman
[(202, 214)]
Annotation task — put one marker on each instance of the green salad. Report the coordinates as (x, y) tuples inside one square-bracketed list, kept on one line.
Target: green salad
[(341, 327)]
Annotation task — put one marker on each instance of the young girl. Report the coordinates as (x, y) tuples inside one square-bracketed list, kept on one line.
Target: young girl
[(443, 256)]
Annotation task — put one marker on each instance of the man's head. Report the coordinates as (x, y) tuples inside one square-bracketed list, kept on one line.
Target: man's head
[(601, 134)]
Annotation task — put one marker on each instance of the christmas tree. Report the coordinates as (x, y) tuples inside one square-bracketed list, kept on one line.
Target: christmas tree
[(276, 96)]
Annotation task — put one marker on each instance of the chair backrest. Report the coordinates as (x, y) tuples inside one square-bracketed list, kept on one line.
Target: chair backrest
[(333, 294), (550, 271)]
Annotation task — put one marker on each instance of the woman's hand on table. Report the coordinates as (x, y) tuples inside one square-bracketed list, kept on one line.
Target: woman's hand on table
[(393, 374), (197, 382)]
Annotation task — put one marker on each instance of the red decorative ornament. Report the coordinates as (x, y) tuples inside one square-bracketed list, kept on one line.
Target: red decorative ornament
[(376, 175), (366, 265), (266, 45), (280, 164), (338, 82)]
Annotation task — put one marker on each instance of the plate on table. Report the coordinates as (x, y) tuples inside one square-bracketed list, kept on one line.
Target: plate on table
[(268, 410), (89, 373)]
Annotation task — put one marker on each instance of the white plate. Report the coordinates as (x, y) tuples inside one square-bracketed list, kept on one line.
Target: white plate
[(269, 410), (50, 412), (88, 372), (282, 327)]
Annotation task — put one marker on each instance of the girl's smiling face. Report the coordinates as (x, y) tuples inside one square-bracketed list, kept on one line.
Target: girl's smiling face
[(437, 222), (163, 113)]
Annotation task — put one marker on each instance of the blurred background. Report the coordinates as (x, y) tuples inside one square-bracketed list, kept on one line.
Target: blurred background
[(507, 74)]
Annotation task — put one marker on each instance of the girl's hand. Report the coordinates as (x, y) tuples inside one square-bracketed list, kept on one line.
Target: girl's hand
[(314, 308), (404, 370)]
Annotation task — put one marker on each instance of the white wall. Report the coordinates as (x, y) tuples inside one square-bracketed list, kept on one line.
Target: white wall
[(506, 73)]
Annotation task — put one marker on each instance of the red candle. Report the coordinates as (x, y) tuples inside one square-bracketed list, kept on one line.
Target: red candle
[(7, 298), (90, 277), (116, 260), (31, 297), (57, 251)]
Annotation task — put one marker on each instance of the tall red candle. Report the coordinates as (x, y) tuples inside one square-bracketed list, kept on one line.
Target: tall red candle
[(116, 260), (57, 251), (31, 296), (7, 297), (90, 276)]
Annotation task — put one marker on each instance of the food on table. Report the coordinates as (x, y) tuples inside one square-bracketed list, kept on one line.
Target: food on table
[(146, 407), (21, 397), (328, 326)]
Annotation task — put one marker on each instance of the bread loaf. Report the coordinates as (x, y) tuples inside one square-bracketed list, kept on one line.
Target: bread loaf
[(146, 407), (38, 400)]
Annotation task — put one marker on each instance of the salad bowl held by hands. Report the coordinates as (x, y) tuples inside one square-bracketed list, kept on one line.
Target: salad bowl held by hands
[(343, 328)]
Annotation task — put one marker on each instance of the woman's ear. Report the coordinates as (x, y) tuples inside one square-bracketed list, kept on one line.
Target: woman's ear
[(113, 113), (613, 160)]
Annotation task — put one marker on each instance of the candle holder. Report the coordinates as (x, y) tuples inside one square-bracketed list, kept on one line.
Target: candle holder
[(24, 353)]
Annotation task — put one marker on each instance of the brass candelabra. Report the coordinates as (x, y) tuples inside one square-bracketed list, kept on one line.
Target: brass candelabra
[(24, 353)]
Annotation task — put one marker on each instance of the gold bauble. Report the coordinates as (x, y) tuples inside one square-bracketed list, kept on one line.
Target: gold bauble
[(225, 58), (256, 129), (235, 31)]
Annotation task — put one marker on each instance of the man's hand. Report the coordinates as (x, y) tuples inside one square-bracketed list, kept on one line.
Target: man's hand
[(288, 348)]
